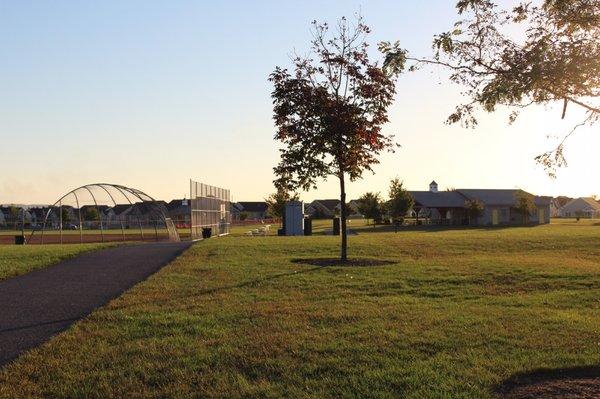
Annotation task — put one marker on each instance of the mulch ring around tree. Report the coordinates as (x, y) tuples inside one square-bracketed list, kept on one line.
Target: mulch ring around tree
[(579, 382), (365, 262)]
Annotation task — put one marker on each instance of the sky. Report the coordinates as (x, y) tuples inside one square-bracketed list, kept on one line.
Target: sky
[(149, 94)]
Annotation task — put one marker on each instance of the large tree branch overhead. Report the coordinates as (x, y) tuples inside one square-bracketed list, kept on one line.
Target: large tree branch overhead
[(553, 57)]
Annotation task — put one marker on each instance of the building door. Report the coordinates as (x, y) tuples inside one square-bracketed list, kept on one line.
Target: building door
[(494, 217), (541, 216)]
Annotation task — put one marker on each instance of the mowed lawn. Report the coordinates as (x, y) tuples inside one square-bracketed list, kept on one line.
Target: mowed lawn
[(457, 313), (20, 259)]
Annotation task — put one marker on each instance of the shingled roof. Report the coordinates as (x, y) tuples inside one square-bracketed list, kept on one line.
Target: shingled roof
[(500, 197), (253, 206), (440, 199), (330, 204)]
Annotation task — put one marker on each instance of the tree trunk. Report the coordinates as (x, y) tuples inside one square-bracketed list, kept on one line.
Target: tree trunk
[(344, 251)]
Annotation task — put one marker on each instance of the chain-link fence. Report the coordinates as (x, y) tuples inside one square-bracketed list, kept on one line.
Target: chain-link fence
[(209, 208)]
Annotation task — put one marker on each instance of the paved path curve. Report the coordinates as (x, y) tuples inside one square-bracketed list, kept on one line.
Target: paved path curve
[(37, 305)]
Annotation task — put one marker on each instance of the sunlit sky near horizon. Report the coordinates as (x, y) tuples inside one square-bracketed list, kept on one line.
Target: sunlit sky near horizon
[(149, 94)]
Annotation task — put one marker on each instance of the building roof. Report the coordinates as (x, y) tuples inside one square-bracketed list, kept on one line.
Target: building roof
[(440, 199), (433, 183), (583, 203), (178, 203), (502, 197), (457, 198), (101, 208), (253, 206), (121, 208), (330, 204), (149, 207)]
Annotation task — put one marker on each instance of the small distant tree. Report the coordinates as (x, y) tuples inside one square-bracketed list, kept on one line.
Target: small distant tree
[(91, 214), (338, 210), (330, 110), (243, 216), (64, 215), (369, 205), (524, 205), (276, 202), (474, 208), (14, 215), (401, 201)]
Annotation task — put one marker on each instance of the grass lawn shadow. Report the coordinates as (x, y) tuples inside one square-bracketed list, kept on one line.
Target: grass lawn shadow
[(357, 262), (574, 382)]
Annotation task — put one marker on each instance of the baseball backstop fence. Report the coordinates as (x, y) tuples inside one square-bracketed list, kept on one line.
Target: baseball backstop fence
[(209, 208)]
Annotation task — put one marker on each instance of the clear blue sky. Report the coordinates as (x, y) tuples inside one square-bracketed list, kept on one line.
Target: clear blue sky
[(149, 94)]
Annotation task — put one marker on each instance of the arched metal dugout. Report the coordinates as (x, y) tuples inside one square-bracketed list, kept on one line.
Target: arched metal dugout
[(113, 192)]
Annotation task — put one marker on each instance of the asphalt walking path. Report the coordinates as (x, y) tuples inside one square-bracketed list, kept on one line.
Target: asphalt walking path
[(44, 302)]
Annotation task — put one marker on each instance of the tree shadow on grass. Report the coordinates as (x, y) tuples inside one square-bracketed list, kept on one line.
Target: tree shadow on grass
[(257, 281), (325, 262), (386, 228), (574, 382)]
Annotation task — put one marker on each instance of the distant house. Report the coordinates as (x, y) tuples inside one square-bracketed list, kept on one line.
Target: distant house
[(92, 215), (323, 208), (235, 210), (38, 215), (441, 207), (581, 207), (256, 210), (147, 211), (179, 212), (557, 203), (120, 211), (6, 217), (353, 207), (448, 207)]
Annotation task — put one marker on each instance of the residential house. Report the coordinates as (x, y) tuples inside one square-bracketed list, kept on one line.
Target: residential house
[(448, 207), (235, 210), (39, 214), (585, 207), (179, 212), (253, 210), (147, 213), (323, 208)]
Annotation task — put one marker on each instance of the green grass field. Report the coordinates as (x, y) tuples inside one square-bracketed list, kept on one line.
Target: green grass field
[(456, 313), (16, 259)]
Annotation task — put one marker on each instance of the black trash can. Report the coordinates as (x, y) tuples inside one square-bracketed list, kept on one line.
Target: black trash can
[(281, 232), (336, 226), (20, 240), (206, 232), (307, 226)]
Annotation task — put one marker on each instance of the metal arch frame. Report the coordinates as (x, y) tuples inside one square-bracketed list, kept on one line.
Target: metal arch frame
[(120, 188)]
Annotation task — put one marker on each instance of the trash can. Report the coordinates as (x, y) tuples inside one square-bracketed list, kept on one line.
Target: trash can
[(281, 232), (336, 226), (206, 232), (20, 240), (307, 226)]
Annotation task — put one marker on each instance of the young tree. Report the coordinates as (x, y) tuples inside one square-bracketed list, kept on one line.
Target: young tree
[(14, 215), (524, 205), (91, 214), (329, 112), (539, 52), (401, 201), (276, 202), (474, 208), (369, 205), (65, 215)]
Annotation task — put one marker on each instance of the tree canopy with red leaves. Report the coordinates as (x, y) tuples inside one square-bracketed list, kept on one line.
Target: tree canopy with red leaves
[(329, 111)]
